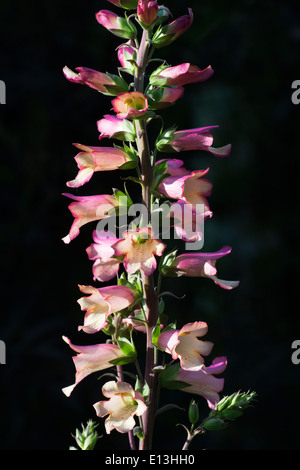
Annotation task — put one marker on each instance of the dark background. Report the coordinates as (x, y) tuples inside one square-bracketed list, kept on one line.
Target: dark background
[(254, 48)]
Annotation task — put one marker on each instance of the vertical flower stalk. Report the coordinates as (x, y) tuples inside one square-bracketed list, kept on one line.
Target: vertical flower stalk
[(151, 301), (134, 305)]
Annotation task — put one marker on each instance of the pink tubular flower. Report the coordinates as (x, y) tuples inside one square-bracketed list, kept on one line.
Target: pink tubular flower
[(183, 344), (188, 186), (101, 303), (105, 267), (203, 382), (106, 83), (139, 248), (117, 25), (178, 75), (115, 128), (87, 209), (123, 404), (160, 97), (92, 159), (130, 105), (91, 359), (188, 220), (194, 139), (147, 12), (167, 34), (202, 265)]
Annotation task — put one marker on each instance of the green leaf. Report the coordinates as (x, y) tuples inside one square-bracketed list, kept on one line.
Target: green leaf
[(126, 346), (155, 333), (120, 361)]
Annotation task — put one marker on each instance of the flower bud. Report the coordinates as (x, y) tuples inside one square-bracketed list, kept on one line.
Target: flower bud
[(120, 27), (167, 34), (147, 12), (193, 412), (127, 57), (214, 424)]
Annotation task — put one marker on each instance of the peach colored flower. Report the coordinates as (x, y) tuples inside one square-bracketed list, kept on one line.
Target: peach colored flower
[(87, 209), (123, 404), (139, 248), (91, 359), (130, 105), (92, 159), (203, 382), (101, 303), (183, 345), (202, 265), (105, 266)]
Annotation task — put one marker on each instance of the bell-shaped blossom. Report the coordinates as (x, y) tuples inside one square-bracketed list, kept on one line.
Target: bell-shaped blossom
[(203, 382), (147, 12), (115, 128), (184, 345), (123, 404), (188, 221), (126, 55), (169, 33), (87, 209), (130, 105), (127, 4), (91, 359), (105, 266), (193, 139), (179, 75), (106, 83), (160, 97), (139, 249), (117, 25), (202, 265), (101, 303), (182, 184), (92, 159)]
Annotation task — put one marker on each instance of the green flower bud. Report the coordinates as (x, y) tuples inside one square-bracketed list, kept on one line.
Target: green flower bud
[(193, 412), (214, 424)]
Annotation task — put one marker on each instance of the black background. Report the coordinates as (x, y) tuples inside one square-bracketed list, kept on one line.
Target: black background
[(254, 49)]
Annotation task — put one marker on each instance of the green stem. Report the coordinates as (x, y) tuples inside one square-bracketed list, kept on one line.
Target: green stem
[(150, 296)]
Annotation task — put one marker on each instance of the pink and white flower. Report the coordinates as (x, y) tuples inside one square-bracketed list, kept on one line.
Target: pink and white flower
[(202, 265), (139, 249), (101, 303), (108, 84), (182, 74), (130, 105), (123, 404), (194, 139), (87, 209), (92, 358), (115, 128), (105, 266), (184, 185), (203, 382), (92, 159), (184, 345)]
